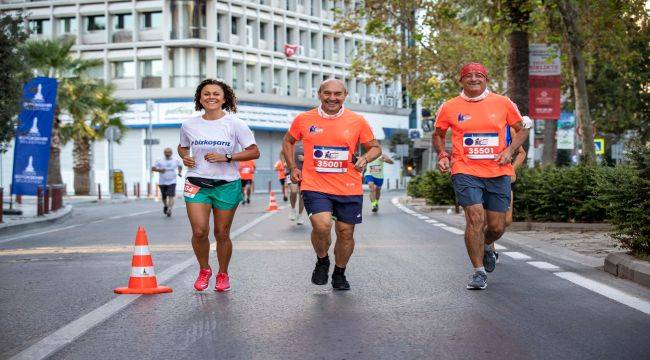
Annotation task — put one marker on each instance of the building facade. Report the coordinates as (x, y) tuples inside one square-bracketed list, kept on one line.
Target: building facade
[(160, 50)]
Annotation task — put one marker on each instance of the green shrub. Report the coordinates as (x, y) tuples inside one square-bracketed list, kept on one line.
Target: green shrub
[(627, 198)]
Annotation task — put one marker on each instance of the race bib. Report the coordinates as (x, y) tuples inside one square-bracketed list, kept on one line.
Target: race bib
[(190, 190), (479, 146), (331, 159), (245, 170), (375, 169)]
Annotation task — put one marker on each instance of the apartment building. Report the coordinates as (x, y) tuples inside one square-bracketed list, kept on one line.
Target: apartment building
[(160, 50)]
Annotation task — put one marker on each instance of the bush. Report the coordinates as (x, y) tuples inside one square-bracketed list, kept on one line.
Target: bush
[(434, 186), (559, 194), (627, 198)]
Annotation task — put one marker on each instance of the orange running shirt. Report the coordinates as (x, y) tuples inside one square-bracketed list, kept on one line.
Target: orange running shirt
[(329, 145), (478, 133), (246, 169), (279, 167)]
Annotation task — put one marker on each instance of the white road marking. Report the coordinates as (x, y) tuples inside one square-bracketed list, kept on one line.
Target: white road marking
[(516, 255), (607, 291), (454, 230), (431, 221), (439, 224), (500, 247), (543, 265), (38, 233), (68, 333), (423, 217)]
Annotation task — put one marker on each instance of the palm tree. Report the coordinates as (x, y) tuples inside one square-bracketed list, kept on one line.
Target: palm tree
[(53, 58), (92, 108)]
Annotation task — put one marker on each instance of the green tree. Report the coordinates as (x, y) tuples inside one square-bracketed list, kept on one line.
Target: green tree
[(12, 76), (53, 58), (92, 108)]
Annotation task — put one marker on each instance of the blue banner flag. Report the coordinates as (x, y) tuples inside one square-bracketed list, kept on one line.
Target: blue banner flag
[(32, 145)]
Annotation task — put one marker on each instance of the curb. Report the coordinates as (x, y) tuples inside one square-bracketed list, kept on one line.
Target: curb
[(34, 222), (627, 267)]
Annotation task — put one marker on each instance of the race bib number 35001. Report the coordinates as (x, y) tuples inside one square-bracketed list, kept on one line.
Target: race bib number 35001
[(331, 159), (479, 146)]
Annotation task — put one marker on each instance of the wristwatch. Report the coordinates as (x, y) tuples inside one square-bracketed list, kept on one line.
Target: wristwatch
[(228, 158)]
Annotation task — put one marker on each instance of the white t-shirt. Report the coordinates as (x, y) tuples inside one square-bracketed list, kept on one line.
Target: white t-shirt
[(169, 176), (215, 136)]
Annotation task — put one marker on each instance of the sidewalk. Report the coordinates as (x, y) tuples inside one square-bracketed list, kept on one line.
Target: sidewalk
[(29, 219)]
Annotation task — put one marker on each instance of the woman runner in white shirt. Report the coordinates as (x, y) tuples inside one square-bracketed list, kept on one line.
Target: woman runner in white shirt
[(207, 145)]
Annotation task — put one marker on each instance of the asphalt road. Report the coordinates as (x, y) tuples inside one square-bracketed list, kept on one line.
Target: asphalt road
[(408, 297)]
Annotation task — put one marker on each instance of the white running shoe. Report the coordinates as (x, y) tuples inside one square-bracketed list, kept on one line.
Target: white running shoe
[(299, 220), (292, 215)]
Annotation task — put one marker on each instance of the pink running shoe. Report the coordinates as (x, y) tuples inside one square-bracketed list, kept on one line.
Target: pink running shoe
[(203, 280), (223, 282)]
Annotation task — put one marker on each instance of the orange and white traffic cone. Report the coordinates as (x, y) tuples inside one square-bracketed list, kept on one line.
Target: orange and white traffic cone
[(143, 278), (273, 206)]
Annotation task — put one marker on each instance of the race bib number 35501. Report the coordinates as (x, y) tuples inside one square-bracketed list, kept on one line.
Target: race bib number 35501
[(331, 159), (480, 146)]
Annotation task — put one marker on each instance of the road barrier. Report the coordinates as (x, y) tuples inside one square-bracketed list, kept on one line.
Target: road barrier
[(56, 197), (1, 203), (99, 191), (46, 200), (39, 200)]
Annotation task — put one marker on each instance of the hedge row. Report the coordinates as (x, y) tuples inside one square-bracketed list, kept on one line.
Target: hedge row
[(618, 195)]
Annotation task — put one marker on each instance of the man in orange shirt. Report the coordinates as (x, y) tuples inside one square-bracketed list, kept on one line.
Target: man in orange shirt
[(330, 179), (246, 174), (282, 176), (480, 162)]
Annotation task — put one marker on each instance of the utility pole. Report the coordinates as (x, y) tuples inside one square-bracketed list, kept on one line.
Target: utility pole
[(150, 104)]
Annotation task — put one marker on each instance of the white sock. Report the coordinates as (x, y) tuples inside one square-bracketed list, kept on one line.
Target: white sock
[(481, 269)]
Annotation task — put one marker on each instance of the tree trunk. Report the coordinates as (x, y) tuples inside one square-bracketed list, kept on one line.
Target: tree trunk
[(54, 164), (550, 142), (517, 14), (81, 153), (573, 37)]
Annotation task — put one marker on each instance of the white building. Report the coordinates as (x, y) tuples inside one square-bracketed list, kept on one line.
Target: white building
[(160, 50)]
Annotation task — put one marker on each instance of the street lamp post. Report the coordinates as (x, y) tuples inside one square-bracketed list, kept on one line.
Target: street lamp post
[(150, 103)]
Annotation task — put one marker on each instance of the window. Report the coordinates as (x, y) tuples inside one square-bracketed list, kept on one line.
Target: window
[(151, 20), (95, 23), (263, 29), (249, 32), (151, 67), (123, 69), (221, 69), (122, 22), (96, 72), (66, 25), (40, 27), (234, 28)]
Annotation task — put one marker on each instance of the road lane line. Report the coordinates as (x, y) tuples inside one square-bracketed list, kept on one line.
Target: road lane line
[(516, 255), (500, 247), (607, 291), (431, 221), (39, 233), (65, 335), (439, 225), (543, 265), (454, 230)]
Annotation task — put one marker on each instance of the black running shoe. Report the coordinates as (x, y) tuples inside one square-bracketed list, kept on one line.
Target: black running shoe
[(165, 210), (285, 199), (320, 274), (248, 200), (339, 282)]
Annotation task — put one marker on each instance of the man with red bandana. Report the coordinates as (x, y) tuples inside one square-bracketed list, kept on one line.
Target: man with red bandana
[(480, 162)]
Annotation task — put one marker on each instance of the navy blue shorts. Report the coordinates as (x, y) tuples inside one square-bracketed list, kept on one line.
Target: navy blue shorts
[(372, 179), (167, 190), (493, 193), (343, 208)]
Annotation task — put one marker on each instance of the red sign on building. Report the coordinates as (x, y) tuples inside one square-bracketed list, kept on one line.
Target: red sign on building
[(544, 78), (290, 50)]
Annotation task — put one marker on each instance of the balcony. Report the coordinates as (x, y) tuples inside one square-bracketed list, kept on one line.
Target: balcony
[(148, 82), (123, 36)]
